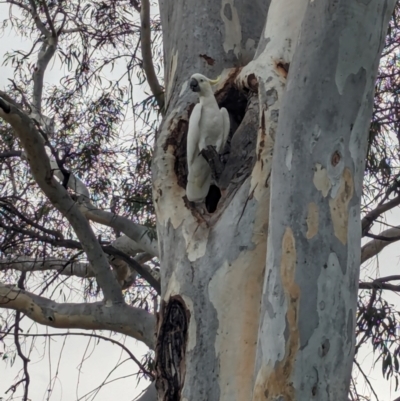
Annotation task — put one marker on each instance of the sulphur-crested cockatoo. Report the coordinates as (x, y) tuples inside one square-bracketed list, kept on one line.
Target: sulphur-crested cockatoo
[(208, 125)]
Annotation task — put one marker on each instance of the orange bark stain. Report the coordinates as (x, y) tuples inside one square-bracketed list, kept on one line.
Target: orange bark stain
[(339, 206), (274, 380)]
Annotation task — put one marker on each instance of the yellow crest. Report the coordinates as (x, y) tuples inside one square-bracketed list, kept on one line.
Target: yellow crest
[(214, 81)]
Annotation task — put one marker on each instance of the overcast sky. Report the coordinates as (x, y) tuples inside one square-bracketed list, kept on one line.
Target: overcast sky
[(76, 378)]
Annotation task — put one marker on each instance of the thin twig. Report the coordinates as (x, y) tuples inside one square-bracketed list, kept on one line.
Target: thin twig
[(138, 363), (25, 360), (370, 217), (366, 379)]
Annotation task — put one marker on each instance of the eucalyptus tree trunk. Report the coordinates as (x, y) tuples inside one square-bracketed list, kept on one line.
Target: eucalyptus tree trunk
[(214, 342)]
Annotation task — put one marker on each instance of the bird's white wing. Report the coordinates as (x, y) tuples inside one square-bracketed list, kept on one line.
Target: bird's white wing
[(199, 172), (225, 129), (193, 136)]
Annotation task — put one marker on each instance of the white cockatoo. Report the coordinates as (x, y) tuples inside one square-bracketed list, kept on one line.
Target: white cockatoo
[(208, 125)]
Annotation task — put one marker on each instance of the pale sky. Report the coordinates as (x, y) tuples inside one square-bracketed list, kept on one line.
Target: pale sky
[(75, 378)]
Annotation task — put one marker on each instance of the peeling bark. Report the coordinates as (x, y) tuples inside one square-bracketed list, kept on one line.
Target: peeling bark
[(216, 261), (310, 292)]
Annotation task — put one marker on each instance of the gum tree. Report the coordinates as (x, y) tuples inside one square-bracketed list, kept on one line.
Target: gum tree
[(258, 286)]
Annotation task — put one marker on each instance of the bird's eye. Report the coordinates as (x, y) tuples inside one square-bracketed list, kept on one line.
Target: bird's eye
[(201, 80)]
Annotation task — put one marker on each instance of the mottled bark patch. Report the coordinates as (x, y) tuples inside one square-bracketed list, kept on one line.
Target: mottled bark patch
[(339, 206), (312, 220), (274, 382), (321, 180), (172, 339)]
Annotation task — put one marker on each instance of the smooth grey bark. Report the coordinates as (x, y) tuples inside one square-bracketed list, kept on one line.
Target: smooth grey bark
[(121, 318), (212, 265), (313, 253), (207, 37)]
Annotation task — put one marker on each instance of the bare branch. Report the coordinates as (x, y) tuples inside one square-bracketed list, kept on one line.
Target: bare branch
[(73, 182), (370, 217), (135, 5), (372, 248), (9, 99), (46, 52), (148, 65), (16, 3), (48, 17), (143, 270), (10, 153), (366, 379), (39, 24), (32, 142), (125, 278), (382, 284), (121, 318), (25, 360), (387, 278), (135, 232), (63, 266), (128, 246), (377, 285)]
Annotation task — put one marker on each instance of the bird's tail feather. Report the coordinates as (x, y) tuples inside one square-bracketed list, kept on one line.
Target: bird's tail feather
[(199, 180)]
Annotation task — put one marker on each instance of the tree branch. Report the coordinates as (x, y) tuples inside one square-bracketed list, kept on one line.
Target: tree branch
[(16, 3), (121, 318), (63, 266), (73, 182), (372, 248), (381, 283), (24, 359), (141, 269), (8, 99), (46, 52), (370, 217), (10, 153), (48, 17), (136, 232), (119, 249), (148, 65), (39, 24), (377, 285), (32, 142)]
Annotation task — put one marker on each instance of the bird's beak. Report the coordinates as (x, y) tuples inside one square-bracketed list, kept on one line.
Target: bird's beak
[(194, 85)]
